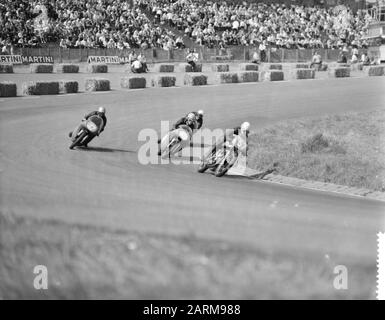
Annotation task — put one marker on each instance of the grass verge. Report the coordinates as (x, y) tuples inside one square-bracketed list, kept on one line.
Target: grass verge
[(346, 149), (87, 262)]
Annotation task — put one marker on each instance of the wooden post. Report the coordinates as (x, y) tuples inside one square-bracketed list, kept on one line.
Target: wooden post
[(170, 55)]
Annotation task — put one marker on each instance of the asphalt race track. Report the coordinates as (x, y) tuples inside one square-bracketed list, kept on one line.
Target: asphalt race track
[(105, 185)]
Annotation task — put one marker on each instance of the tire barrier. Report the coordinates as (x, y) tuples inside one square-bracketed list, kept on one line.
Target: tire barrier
[(356, 67), (302, 66), (339, 72), (97, 68), (226, 77), (41, 68), (163, 81), (132, 82), (222, 58), (6, 68), (67, 68), (374, 71), (220, 67), (97, 84), (40, 88), (248, 76), (185, 67), (342, 65), (195, 80), (275, 67), (272, 75), (8, 89), (68, 86), (248, 67), (168, 68), (300, 74)]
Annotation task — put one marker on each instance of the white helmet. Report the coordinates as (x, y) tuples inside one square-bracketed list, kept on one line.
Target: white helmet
[(102, 110), (200, 112), (245, 126), (190, 118)]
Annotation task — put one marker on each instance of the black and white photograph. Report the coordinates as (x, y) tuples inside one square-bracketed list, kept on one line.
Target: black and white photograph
[(192, 150)]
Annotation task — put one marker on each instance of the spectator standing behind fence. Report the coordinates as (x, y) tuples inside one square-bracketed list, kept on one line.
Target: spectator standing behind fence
[(255, 58), (365, 60), (342, 57), (132, 57), (143, 62), (192, 59), (262, 51), (136, 66), (354, 58), (316, 61)]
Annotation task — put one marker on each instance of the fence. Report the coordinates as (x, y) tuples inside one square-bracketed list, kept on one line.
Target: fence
[(238, 53)]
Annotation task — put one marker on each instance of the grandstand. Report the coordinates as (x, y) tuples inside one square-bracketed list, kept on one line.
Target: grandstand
[(165, 24)]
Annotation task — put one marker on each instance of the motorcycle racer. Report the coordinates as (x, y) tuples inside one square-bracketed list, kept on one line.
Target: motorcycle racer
[(238, 136), (241, 135), (101, 112), (193, 119)]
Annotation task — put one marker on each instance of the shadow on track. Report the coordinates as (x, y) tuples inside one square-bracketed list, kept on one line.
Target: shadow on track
[(255, 176), (102, 149)]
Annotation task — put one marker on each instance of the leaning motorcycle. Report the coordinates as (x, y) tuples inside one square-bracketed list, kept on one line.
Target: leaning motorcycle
[(175, 141), (89, 130), (223, 159)]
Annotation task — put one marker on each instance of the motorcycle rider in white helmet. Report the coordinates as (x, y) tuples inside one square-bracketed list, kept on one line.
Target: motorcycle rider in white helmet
[(237, 135), (101, 112)]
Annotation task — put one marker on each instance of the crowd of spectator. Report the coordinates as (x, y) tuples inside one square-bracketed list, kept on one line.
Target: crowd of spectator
[(77, 23), (215, 23), (144, 24)]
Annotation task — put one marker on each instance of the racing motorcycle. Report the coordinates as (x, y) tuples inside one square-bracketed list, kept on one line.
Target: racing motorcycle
[(223, 159), (89, 130), (175, 141)]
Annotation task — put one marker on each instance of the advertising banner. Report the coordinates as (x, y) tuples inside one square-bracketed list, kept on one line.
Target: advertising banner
[(108, 59), (19, 59)]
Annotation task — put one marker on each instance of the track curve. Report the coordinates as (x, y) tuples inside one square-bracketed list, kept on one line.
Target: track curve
[(41, 177)]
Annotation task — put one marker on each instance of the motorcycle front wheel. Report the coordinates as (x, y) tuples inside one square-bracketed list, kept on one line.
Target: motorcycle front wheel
[(205, 164), (78, 140), (169, 150), (203, 167), (222, 169)]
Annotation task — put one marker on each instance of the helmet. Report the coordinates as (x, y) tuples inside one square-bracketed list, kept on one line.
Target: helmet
[(245, 126), (102, 110), (190, 118), (200, 113)]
